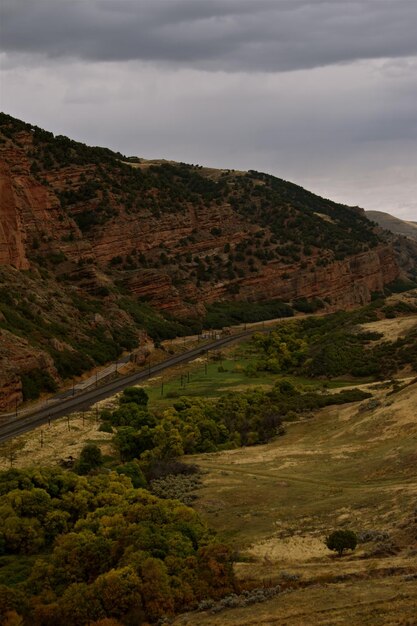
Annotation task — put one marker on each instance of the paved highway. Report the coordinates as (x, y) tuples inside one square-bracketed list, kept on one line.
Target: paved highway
[(11, 426)]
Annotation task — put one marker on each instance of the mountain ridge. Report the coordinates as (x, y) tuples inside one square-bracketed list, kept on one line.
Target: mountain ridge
[(117, 238), (192, 230)]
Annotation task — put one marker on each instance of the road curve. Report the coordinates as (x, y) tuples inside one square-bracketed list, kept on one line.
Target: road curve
[(11, 427)]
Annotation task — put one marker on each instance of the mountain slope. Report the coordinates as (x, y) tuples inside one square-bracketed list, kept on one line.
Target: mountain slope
[(175, 234), (394, 224), (113, 237)]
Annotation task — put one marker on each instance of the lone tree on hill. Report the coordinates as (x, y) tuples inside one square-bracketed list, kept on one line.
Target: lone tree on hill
[(341, 540)]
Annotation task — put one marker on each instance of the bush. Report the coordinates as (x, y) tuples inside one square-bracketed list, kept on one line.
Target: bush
[(180, 487), (133, 470), (341, 540), (134, 394), (90, 458), (172, 467), (106, 427), (36, 381)]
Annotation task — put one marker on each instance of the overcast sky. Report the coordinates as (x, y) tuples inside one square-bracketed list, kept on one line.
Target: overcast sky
[(320, 92)]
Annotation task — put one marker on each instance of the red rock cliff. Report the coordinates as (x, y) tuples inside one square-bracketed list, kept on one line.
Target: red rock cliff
[(33, 222)]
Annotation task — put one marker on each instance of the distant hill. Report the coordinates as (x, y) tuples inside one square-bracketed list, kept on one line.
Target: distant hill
[(394, 224)]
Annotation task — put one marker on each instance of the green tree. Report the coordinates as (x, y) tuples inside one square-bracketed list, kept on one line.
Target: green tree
[(119, 592), (131, 443), (134, 394), (90, 458), (22, 535), (131, 414), (79, 605), (80, 557), (134, 471), (341, 540)]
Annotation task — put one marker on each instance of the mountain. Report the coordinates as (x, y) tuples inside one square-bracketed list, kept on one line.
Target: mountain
[(403, 237), (178, 235), (393, 224), (97, 248)]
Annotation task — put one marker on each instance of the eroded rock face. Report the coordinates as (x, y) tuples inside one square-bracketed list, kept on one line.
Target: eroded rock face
[(33, 223), (31, 216), (18, 357), (344, 284), (30, 212), (12, 234)]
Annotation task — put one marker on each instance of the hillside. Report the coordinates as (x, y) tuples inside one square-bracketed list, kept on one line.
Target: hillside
[(403, 237), (286, 459), (96, 248), (393, 224), (347, 468), (353, 467)]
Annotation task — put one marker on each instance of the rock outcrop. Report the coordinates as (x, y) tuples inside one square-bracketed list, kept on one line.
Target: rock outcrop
[(32, 222), (343, 284)]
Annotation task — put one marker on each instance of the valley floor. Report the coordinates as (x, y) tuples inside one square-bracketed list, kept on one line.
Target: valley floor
[(351, 467)]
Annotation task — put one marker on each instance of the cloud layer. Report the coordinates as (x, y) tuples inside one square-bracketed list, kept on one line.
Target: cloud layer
[(228, 35), (322, 93)]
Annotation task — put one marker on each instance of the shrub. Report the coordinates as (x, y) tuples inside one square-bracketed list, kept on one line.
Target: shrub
[(341, 540), (180, 487), (36, 381), (90, 458), (133, 470), (106, 427), (134, 394)]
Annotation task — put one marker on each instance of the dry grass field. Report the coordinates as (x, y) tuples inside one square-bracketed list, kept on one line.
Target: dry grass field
[(351, 467), (392, 329), (49, 444)]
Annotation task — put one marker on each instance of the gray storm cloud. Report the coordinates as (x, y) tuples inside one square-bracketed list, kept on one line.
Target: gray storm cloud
[(321, 92), (228, 35)]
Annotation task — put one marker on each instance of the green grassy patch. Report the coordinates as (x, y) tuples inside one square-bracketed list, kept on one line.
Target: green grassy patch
[(234, 369)]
